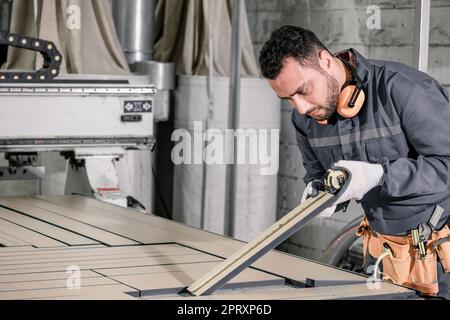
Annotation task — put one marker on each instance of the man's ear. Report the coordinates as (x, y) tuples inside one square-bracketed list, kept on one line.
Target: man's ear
[(325, 60)]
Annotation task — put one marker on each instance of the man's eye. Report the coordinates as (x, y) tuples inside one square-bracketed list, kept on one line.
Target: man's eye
[(303, 93)]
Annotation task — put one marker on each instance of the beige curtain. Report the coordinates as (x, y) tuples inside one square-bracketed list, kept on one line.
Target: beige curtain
[(83, 30), (181, 36)]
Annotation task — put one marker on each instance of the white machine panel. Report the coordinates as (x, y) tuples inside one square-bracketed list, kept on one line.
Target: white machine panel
[(59, 116)]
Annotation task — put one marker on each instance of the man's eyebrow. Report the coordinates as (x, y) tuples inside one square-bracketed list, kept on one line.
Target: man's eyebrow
[(299, 89)]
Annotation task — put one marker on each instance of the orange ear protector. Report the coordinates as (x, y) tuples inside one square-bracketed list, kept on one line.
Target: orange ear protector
[(351, 97)]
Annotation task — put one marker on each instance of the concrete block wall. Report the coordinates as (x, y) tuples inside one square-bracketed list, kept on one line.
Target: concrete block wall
[(341, 24)]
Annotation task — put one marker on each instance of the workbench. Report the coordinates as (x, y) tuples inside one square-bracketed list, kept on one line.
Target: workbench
[(120, 253)]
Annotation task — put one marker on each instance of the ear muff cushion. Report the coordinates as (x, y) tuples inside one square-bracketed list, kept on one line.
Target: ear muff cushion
[(344, 97)]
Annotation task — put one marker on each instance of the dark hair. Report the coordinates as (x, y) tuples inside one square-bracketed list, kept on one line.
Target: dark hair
[(289, 42)]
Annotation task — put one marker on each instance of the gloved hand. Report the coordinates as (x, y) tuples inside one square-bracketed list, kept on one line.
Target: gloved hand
[(364, 177), (312, 190)]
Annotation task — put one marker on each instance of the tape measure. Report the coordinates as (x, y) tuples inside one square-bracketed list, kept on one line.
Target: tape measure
[(334, 180)]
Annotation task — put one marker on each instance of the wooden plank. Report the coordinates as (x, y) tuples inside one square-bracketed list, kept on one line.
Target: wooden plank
[(8, 240), (97, 252), (54, 232), (90, 246), (262, 293), (174, 282), (96, 296), (163, 230), (63, 293), (97, 263), (318, 293), (52, 284), (28, 236), (4, 263), (175, 231), (30, 249), (39, 276), (172, 279), (125, 225), (154, 269), (16, 249), (115, 263), (274, 261), (210, 242), (263, 243), (68, 223)]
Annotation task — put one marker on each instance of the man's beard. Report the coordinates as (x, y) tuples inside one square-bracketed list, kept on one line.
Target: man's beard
[(332, 98)]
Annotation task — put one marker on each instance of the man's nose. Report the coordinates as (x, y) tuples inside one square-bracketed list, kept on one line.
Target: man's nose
[(300, 104)]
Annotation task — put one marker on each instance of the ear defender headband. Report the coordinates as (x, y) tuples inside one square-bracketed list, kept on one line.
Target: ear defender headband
[(351, 97)]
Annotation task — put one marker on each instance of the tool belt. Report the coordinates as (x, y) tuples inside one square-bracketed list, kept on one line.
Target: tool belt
[(404, 265)]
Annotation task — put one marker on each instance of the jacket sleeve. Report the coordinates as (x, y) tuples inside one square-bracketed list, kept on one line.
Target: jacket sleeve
[(314, 169), (424, 113)]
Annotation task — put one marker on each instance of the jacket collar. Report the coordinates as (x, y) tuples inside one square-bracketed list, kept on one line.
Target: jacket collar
[(360, 63)]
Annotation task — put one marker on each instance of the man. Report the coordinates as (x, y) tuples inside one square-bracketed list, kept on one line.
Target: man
[(396, 149)]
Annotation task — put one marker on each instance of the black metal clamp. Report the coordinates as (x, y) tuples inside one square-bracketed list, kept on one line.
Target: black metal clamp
[(422, 234)]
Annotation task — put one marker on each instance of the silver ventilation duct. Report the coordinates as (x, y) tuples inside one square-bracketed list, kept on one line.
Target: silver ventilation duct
[(134, 23), (134, 20)]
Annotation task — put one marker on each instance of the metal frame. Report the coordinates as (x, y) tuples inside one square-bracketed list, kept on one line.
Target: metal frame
[(421, 34), (233, 112), (74, 90)]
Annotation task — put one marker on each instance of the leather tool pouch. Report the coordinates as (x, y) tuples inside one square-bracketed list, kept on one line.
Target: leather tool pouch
[(405, 267)]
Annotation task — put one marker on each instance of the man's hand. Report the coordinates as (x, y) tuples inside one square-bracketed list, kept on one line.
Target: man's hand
[(364, 177), (312, 190)]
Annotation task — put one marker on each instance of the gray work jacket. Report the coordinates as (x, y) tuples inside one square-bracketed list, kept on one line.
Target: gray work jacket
[(404, 125)]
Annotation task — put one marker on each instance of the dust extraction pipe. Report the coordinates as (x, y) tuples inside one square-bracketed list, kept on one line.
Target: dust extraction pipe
[(134, 23)]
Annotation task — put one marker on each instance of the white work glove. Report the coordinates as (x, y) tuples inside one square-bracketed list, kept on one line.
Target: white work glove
[(312, 190), (364, 177)]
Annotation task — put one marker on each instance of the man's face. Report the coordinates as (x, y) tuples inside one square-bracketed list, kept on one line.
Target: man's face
[(310, 91)]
